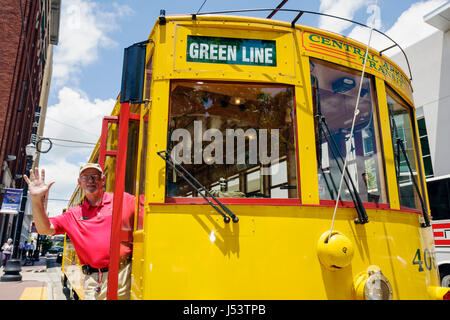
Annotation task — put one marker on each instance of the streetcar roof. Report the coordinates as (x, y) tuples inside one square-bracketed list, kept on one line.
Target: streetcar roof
[(228, 16)]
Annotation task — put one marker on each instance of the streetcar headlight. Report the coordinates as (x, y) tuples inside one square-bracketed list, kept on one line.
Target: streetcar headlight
[(373, 285), (377, 287)]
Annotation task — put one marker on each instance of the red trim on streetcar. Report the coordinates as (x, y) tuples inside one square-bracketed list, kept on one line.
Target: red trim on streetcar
[(350, 204), (244, 201), (410, 210), (134, 116), (447, 296)]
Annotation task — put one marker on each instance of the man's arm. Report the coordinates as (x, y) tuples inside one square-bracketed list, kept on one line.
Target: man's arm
[(38, 189)]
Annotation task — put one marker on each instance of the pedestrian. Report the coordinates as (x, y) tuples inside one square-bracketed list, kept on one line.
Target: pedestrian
[(30, 250), (7, 250), (25, 250), (89, 228), (21, 246)]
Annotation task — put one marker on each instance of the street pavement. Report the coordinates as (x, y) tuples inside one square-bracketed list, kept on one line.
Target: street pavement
[(42, 281)]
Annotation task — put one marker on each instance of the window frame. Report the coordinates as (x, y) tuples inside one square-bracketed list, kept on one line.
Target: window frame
[(390, 91), (382, 157)]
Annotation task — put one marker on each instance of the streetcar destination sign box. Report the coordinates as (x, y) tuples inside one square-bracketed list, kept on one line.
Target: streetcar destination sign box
[(231, 51)]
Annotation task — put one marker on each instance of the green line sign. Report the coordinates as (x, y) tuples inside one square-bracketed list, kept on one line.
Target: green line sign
[(231, 51)]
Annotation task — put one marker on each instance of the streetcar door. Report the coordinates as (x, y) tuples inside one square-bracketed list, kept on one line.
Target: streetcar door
[(118, 158), (124, 200)]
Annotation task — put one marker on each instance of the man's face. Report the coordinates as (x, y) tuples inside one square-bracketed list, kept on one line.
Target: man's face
[(91, 181)]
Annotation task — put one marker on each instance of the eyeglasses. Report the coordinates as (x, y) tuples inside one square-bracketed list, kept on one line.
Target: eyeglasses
[(94, 177)]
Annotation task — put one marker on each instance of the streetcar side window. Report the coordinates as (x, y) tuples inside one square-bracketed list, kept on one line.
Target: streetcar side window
[(335, 90), (405, 162), (237, 139), (142, 167)]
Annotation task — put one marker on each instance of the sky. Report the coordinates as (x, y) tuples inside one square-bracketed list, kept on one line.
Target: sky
[(87, 62)]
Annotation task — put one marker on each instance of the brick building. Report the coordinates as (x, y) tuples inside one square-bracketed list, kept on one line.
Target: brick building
[(28, 31)]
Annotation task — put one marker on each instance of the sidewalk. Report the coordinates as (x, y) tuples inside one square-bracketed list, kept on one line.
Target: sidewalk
[(42, 281)]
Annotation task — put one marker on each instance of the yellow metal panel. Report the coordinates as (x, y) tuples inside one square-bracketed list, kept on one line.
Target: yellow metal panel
[(272, 253), (283, 72), (71, 268), (157, 142), (163, 40), (137, 266), (388, 149), (155, 169), (306, 137), (158, 118)]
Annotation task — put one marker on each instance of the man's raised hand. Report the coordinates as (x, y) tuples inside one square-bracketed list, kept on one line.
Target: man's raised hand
[(36, 183)]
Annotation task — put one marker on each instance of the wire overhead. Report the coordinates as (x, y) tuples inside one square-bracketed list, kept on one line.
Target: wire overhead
[(68, 125), (355, 114), (201, 6)]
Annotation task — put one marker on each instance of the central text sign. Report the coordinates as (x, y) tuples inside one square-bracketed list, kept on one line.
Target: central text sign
[(231, 51)]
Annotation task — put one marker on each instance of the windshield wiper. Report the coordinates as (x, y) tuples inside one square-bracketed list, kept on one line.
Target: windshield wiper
[(401, 148), (326, 132), (165, 155)]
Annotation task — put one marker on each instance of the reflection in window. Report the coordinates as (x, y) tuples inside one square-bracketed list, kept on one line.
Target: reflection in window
[(132, 152), (335, 90), (236, 139), (426, 154), (401, 130)]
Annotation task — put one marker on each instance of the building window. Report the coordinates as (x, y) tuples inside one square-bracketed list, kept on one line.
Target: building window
[(426, 154)]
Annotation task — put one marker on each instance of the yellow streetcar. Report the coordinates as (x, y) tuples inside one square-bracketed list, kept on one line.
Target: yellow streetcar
[(238, 135)]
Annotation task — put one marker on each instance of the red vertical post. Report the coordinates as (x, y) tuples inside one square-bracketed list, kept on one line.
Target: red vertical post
[(104, 141), (119, 188)]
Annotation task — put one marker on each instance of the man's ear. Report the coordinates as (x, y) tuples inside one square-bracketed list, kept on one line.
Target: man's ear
[(79, 181)]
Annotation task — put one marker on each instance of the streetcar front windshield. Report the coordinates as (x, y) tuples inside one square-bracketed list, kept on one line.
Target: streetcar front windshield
[(237, 139), (404, 152), (335, 91)]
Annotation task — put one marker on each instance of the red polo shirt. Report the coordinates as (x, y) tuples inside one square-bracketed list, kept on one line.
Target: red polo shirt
[(89, 228)]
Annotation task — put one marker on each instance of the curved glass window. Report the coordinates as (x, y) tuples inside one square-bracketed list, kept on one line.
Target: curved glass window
[(404, 153), (335, 91), (237, 139)]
